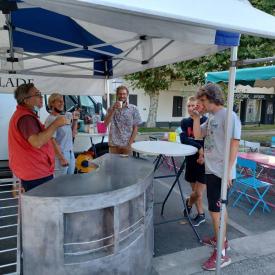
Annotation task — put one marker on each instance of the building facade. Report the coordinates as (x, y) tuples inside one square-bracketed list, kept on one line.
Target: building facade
[(255, 105), (171, 104)]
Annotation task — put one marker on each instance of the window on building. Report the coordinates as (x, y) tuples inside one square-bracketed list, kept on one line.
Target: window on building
[(177, 106), (133, 99), (253, 110)]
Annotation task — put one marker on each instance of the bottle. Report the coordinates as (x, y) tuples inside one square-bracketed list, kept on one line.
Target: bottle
[(172, 137)]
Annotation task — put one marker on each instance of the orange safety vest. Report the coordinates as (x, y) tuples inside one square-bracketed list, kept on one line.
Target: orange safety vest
[(26, 161)]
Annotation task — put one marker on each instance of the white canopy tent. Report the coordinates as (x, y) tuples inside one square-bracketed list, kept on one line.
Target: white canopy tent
[(124, 38), (144, 34), (139, 34)]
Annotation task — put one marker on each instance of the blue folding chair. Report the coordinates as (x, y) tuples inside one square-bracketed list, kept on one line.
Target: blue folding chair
[(241, 172), (248, 181)]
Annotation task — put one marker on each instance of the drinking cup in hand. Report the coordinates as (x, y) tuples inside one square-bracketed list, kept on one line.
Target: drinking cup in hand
[(68, 118), (120, 104)]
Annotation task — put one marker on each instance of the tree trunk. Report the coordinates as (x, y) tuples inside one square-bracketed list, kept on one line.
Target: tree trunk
[(152, 116)]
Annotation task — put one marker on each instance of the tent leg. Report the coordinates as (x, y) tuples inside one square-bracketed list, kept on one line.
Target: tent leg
[(107, 91), (230, 101), (107, 88)]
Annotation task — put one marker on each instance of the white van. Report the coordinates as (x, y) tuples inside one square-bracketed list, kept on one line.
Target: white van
[(89, 106)]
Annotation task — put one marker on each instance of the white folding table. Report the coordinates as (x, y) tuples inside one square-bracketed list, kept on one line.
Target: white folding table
[(169, 149)]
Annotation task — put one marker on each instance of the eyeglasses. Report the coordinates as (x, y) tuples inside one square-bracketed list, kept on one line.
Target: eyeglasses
[(37, 94)]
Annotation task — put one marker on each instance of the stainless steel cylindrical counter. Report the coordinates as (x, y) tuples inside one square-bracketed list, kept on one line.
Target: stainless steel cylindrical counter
[(97, 223)]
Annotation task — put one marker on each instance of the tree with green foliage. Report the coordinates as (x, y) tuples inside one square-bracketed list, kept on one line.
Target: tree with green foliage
[(152, 82), (193, 71)]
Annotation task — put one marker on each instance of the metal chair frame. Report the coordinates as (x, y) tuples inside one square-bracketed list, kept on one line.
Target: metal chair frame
[(245, 182)]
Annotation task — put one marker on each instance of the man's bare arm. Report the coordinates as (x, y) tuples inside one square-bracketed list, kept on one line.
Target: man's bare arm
[(197, 127), (58, 153), (109, 116), (110, 113), (38, 140), (234, 148), (134, 134)]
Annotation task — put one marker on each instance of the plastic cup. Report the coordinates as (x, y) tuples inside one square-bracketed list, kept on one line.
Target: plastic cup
[(68, 118), (121, 103)]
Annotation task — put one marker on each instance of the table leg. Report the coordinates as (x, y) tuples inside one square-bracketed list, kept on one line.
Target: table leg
[(93, 147), (157, 162), (178, 174)]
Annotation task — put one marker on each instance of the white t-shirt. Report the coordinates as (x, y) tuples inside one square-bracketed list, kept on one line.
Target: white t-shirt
[(214, 143), (63, 134)]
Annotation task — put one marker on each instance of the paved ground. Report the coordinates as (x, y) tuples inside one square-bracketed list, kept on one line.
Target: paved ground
[(251, 255), (177, 250)]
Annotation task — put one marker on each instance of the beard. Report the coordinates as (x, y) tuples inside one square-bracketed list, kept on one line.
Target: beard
[(58, 111)]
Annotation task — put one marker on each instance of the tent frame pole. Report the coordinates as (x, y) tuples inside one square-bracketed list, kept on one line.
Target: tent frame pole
[(8, 23), (228, 132), (77, 47), (69, 64), (246, 62), (107, 86), (126, 54), (28, 73)]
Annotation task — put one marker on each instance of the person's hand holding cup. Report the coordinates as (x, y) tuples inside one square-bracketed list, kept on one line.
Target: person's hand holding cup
[(118, 105), (76, 115), (60, 121), (68, 117), (196, 112)]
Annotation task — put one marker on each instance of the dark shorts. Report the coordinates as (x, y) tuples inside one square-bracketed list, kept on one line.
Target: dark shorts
[(30, 184), (194, 171), (213, 189)]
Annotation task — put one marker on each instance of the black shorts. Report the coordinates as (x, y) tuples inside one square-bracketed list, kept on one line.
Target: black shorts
[(30, 184), (194, 171), (213, 189)]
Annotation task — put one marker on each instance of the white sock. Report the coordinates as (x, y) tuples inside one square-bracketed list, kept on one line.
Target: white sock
[(223, 252)]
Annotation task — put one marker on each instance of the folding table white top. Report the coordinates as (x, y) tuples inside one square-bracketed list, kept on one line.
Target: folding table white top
[(169, 149)]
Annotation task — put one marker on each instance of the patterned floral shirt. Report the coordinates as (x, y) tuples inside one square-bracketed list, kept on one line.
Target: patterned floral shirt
[(122, 124)]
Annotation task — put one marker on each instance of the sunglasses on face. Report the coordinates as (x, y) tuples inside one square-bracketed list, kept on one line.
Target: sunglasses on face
[(38, 94)]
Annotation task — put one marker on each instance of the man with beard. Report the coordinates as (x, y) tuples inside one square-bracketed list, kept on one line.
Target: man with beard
[(124, 119)]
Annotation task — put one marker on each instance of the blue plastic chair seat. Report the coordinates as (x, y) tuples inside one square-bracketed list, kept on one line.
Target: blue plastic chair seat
[(248, 181)]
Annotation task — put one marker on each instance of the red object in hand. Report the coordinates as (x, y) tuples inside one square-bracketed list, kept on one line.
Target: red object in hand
[(101, 128)]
